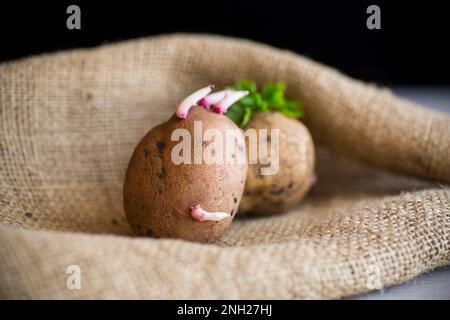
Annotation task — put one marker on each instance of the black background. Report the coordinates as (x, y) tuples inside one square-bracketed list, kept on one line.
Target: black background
[(409, 49)]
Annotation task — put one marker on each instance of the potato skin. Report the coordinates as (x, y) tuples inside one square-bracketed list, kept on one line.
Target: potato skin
[(158, 194), (269, 194)]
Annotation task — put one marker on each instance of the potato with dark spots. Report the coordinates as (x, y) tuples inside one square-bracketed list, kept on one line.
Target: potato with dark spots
[(161, 197), (270, 194)]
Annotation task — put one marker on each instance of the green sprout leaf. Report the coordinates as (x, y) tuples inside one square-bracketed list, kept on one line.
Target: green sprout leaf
[(246, 118), (236, 113), (245, 85), (270, 98)]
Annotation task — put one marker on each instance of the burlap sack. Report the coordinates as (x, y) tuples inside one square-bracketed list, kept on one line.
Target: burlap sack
[(69, 123)]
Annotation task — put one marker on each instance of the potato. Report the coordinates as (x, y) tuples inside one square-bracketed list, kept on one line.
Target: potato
[(159, 194), (268, 194)]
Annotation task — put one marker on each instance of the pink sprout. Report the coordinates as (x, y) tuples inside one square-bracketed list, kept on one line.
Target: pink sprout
[(201, 215), (222, 106), (192, 100), (214, 98)]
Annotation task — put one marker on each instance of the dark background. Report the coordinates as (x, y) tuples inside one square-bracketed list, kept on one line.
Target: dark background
[(409, 49)]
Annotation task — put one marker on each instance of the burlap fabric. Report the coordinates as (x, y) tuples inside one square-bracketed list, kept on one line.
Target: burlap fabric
[(69, 123)]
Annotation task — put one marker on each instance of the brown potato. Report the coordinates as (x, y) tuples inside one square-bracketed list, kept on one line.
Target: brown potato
[(159, 194), (268, 194)]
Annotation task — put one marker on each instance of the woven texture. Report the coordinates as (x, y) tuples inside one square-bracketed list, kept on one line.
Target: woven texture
[(380, 213)]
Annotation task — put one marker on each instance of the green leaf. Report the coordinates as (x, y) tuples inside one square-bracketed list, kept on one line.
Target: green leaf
[(246, 118), (270, 98), (247, 101), (246, 85), (273, 93), (259, 104), (235, 113)]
